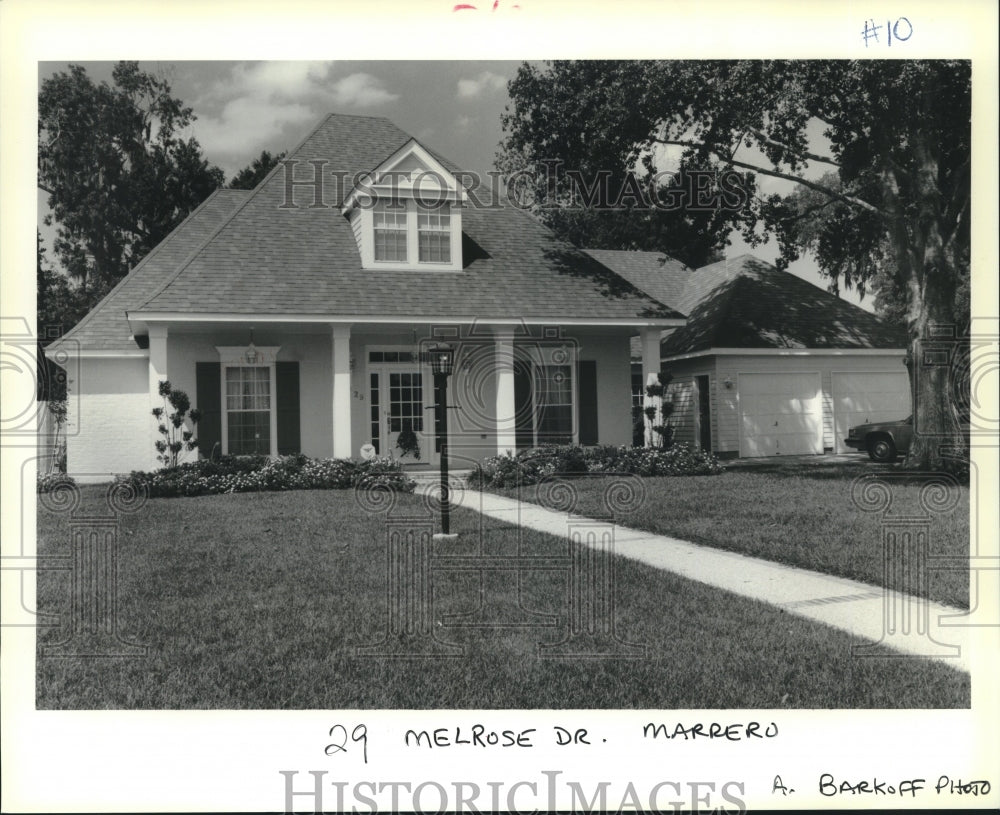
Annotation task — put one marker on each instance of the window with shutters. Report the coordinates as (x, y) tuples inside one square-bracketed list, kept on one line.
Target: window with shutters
[(249, 415), (554, 404), (248, 410)]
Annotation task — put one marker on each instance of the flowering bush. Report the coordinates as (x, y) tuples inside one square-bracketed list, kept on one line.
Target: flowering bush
[(531, 466), (53, 481), (263, 474)]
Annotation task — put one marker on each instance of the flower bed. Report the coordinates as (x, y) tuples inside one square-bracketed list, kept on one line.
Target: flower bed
[(263, 474), (531, 466), (54, 481)]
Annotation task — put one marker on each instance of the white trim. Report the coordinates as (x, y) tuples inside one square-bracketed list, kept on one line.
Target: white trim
[(543, 357), (423, 319), (383, 369), (139, 353), (412, 147), (739, 403), (233, 356), (236, 354), (787, 352)]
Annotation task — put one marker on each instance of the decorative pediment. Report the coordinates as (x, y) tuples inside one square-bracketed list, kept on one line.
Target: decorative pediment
[(410, 172)]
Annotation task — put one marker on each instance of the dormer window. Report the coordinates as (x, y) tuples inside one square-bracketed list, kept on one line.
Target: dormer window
[(389, 224), (407, 213), (434, 234)]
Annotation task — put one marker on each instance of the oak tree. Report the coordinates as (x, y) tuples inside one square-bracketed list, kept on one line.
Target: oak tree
[(892, 214)]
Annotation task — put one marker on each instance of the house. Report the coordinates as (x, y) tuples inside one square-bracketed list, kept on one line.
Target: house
[(298, 317), (767, 363)]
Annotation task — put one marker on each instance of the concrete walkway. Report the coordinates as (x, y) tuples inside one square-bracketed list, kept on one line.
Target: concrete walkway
[(909, 625)]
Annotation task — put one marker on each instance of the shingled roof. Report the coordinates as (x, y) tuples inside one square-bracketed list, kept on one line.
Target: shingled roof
[(106, 327), (265, 259), (655, 273), (747, 303)]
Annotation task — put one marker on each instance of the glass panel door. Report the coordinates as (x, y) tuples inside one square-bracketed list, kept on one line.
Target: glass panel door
[(405, 413)]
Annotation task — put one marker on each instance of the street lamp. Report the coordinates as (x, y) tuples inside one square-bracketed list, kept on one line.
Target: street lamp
[(442, 359)]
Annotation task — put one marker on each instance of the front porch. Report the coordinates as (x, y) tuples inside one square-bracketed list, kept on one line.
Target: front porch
[(346, 390)]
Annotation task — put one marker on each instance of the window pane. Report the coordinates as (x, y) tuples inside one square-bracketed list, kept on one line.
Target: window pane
[(389, 219), (554, 403), (434, 234), (249, 433), (248, 404)]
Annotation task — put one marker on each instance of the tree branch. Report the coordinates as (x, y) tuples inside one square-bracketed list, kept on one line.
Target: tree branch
[(764, 139), (847, 199)]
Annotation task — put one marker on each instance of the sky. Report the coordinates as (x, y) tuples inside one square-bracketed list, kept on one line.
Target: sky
[(453, 107)]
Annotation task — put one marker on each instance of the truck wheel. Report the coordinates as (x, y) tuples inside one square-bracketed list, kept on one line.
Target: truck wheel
[(881, 449)]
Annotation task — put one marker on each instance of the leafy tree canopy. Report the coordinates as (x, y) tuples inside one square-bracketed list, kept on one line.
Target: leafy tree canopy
[(119, 174), (251, 175), (892, 214)]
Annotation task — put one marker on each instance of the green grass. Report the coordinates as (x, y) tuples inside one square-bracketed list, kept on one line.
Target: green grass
[(259, 601), (799, 514)]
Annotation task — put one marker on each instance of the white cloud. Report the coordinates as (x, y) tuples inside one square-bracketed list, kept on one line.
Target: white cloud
[(247, 125), (276, 79), (362, 90), (463, 123), (486, 81), (264, 105)]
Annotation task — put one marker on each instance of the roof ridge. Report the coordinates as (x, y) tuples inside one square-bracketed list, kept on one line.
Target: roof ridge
[(226, 221), (148, 257)]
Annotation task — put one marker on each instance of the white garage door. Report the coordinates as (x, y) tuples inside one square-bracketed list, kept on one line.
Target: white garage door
[(867, 397), (780, 414)]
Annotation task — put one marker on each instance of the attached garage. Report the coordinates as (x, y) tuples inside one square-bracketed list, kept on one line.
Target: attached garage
[(872, 396), (770, 364), (781, 414)]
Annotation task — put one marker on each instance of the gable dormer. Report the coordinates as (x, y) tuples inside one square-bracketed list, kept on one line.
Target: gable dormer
[(407, 213)]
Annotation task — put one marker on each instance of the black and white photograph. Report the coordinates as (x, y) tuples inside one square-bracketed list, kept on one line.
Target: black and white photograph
[(428, 433)]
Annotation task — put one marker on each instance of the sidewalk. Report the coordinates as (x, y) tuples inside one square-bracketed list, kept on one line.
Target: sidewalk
[(921, 626)]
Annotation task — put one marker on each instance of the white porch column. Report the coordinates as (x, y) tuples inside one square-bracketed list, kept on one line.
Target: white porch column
[(650, 342), (505, 407), (341, 336), (157, 373), (341, 341)]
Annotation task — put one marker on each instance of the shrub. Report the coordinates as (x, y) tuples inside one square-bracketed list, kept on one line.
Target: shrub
[(531, 466), (53, 481), (170, 424), (262, 474)]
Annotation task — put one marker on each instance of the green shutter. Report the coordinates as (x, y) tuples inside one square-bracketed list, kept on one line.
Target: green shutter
[(588, 401), (208, 400), (286, 375)]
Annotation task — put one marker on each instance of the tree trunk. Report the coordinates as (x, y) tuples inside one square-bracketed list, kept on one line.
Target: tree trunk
[(935, 361)]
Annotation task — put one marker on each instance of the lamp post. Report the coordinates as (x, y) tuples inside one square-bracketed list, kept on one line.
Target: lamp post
[(442, 359)]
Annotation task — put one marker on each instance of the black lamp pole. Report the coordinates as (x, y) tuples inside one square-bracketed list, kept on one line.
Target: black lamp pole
[(442, 364)]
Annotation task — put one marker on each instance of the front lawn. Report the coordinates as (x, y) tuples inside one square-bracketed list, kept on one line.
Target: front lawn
[(260, 600), (799, 514)]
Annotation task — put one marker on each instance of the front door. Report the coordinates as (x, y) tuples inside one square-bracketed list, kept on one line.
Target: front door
[(401, 427)]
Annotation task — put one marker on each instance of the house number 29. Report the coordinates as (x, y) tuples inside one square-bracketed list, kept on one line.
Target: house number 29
[(359, 395)]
